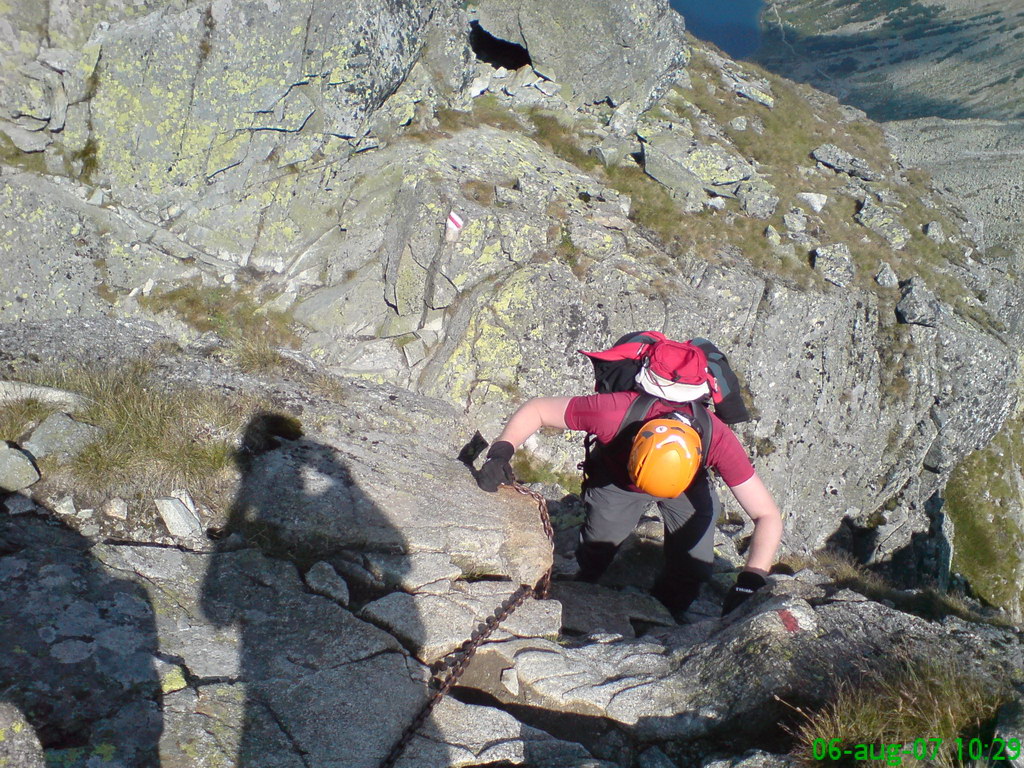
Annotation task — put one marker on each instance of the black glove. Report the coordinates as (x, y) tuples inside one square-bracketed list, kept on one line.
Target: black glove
[(497, 470), (746, 584)]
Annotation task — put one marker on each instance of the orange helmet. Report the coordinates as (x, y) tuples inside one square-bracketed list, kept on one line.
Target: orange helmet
[(665, 457)]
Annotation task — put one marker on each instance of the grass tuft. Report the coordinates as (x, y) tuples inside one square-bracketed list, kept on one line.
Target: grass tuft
[(902, 703), (19, 417), (154, 439), (252, 332), (255, 354)]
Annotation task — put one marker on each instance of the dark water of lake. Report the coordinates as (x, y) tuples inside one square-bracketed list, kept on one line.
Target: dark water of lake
[(732, 25)]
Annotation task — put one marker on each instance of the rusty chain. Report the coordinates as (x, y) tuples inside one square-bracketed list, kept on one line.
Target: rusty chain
[(447, 671)]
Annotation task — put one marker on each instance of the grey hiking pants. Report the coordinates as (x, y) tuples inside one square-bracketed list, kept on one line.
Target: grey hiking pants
[(612, 514)]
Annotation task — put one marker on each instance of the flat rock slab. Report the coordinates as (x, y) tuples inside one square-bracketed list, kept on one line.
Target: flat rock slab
[(432, 626), (588, 608), (686, 683), (315, 498), (312, 679), (412, 572), (460, 734)]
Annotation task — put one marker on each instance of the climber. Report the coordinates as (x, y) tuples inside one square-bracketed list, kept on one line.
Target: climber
[(622, 477)]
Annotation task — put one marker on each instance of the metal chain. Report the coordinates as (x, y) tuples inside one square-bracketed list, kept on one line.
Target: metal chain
[(447, 671)]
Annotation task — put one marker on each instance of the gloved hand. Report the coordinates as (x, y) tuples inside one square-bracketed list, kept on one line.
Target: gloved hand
[(746, 584), (497, 470)]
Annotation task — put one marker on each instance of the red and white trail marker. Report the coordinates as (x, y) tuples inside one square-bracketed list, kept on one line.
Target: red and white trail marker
[(453, 227)]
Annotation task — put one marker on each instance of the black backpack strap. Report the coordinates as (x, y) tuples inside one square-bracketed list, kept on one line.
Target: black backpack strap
[(703, 425), (637, 411), (701, 420)]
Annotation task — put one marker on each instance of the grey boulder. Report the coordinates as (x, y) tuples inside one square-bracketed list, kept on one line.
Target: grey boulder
[(834, 263), (17, 471), (918, 305), (842, 161), (60, 435)]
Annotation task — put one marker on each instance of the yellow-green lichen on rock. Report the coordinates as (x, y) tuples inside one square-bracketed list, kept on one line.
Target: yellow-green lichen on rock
[(173, 680)]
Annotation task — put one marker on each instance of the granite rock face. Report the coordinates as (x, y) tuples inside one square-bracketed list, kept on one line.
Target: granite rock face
[(442, 233), (673, 684), (625, 54), (20, 745)]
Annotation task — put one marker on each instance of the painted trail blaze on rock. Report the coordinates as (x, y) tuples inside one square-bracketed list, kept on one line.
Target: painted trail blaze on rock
[(789, 620)]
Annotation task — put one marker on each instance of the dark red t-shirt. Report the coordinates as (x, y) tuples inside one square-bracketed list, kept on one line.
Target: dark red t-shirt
[(600, 415)]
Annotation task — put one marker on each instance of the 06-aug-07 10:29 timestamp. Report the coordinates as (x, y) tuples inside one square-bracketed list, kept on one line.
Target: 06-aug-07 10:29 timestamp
[(919, 749)]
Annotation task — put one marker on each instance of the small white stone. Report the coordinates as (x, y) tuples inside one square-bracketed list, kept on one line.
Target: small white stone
[(183, 496), (181, 522), (510, 680), (814, 200), (65, 506), (115, 508)]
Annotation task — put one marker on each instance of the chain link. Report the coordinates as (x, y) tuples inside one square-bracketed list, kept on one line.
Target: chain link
[(447, 671)]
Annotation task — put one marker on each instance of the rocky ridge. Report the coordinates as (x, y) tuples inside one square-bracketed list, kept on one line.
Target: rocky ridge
[(312, 168), (949, 59), (945, 77)]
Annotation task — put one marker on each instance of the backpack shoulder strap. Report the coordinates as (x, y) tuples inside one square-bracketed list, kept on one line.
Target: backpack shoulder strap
[(702, 420), (637, 411)]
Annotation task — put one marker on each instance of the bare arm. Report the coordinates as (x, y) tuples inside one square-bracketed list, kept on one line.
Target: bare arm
[(532, 415), (758, 503)]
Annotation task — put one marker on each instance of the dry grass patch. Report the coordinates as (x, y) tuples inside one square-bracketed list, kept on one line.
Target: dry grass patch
[(487, 110), (915, 704), (19, 417), (929, 604), (562, 139), (155, 438), (251, 331)]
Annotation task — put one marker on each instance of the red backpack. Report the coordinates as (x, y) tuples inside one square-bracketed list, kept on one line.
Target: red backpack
[(694, 364), (693, 371)]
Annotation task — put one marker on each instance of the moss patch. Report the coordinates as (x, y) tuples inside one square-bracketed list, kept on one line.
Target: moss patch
[(981, 496), (531, 469)]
